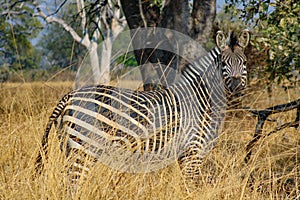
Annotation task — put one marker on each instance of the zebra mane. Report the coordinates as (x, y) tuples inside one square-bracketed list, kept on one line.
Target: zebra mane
[(232, 40)]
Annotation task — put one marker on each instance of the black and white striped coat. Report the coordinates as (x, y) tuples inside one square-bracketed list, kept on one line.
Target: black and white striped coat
[(140, 131)]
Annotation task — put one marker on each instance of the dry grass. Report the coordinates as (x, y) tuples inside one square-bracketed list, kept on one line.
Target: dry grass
[(272, 173)]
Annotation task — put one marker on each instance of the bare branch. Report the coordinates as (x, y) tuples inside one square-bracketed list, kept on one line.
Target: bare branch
[(262, 117), (50, 19), (283, 126), (82, 14), (11, 12), (11, 6), (59, 7)]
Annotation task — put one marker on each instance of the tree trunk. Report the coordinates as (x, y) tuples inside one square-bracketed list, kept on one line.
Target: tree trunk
[(139, 14), (203, 16), (105, 60), (176, 16)]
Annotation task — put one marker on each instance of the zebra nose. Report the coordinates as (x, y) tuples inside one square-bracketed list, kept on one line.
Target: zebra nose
[(235, 84)]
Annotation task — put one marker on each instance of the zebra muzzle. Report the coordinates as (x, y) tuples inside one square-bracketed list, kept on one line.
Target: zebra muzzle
[(235, 84)]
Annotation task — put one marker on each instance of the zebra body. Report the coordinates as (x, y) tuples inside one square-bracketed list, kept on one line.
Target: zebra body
[(141, 131)]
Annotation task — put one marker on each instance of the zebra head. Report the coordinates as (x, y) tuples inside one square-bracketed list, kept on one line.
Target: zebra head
[(233, 59)]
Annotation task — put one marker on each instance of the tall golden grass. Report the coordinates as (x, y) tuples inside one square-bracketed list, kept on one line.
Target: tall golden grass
[(272, 173)]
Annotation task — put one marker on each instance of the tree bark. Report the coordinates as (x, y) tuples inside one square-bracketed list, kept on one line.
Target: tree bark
[(203, 16), (176, 16), (139, 14)]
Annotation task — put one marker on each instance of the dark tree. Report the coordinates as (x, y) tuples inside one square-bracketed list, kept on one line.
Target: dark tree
[(196, 21)]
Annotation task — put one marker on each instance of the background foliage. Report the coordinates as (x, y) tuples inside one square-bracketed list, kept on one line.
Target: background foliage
[(273, 54), (16, 32), (58, 49), (275, 26)]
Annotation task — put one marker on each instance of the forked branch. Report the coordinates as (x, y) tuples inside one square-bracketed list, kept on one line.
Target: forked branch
[(263, 116)]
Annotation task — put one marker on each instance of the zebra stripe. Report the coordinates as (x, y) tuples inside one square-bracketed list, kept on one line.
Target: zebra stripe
[(234, 68)]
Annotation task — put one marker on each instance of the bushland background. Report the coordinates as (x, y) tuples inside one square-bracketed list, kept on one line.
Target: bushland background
[(38, 64)]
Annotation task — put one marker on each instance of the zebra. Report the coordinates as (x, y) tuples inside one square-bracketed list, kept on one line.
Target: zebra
[(234, 64), (150, 129)]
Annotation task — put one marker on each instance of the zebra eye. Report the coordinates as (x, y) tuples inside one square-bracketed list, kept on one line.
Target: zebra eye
[(245, 62)]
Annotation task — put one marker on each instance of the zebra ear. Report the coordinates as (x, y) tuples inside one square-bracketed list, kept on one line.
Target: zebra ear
[(221, 40), (244, 37)]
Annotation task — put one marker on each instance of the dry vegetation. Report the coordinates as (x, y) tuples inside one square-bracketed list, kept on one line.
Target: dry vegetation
[(272, 173)]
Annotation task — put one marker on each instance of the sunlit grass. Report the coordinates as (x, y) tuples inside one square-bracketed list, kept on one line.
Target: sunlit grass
[(272, 173)]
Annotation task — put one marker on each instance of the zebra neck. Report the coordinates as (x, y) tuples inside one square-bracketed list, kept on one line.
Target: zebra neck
[(199, 77), (196, 71)]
